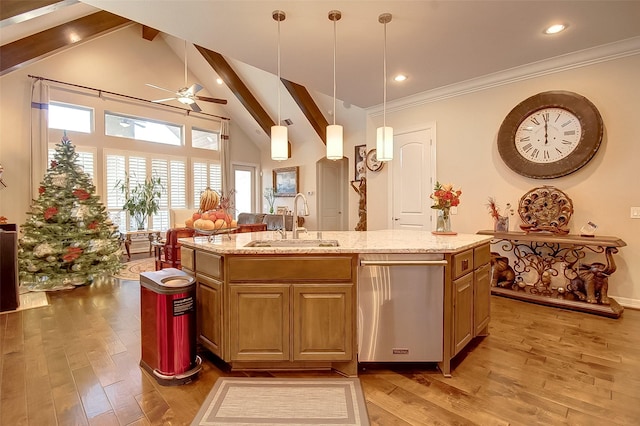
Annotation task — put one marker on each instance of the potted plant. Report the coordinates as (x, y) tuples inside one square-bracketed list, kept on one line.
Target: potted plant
[(141, 200)]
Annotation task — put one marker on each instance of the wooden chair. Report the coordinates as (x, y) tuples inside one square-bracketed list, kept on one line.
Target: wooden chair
[(168, 251)]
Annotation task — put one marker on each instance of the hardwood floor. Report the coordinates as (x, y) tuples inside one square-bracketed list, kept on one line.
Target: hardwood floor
[(75, 362)]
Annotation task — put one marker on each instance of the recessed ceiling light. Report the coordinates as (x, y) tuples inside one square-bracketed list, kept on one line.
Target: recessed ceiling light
[(219, 80), (555, 29), (400, 77)]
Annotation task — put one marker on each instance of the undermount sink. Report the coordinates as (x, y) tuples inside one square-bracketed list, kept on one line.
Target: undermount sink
[(293, 243)]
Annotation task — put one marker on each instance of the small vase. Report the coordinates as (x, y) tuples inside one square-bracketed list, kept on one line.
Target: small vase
[(501, 224), (443, 223)]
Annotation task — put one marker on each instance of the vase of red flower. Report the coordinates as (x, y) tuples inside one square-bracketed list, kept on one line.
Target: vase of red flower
[(444, 197)]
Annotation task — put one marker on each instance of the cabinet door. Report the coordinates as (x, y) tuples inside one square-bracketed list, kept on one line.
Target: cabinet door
[(209, 314), (259, 322), (482, 300), (322, 322), (462, 312)]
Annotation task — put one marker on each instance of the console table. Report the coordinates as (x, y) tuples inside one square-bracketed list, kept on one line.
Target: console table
[(551, 270), (131, 236)]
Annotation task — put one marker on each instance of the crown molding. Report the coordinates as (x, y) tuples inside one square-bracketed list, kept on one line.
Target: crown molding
[(579, 59)]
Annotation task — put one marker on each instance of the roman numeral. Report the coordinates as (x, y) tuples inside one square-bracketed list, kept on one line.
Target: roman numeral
[(566, 142), (527, 147), (569, 132), (535, 121), (525, 139), (566, 123), (535, 153), (545, 154)]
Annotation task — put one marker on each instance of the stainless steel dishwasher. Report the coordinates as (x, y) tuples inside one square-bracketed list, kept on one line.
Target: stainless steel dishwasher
[(400, 307)]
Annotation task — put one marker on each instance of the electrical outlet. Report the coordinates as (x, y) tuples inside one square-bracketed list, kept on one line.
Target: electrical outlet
[(635, 212), (453, 210)]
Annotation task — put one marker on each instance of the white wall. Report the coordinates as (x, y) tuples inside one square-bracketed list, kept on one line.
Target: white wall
[(120, 62), (602, 191)]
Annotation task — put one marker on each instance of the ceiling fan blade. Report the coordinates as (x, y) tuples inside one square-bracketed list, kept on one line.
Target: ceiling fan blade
[(164, 100), (195, 88), (214, 100), (194, 106), (158, 87)]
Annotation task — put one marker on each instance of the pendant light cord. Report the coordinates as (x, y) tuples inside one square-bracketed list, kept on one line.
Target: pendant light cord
[(334, 70), (384, 78), (278, 82)]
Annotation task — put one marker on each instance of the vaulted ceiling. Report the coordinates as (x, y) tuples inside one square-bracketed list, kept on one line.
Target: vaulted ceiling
[(434, 43)]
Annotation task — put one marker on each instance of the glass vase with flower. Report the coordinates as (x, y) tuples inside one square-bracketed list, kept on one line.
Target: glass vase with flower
[(444, 197), (500, 221)]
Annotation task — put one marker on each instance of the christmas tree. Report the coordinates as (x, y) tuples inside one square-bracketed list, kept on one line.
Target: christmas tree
[(68, 240)]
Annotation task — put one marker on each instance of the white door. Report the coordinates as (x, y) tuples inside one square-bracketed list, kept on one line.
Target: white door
[(413, 172), (332, 183), (244, 183)]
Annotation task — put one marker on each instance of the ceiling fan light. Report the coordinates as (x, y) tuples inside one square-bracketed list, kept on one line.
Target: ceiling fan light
[(334, 142), (279, 143), (186, 100), (384, 143)]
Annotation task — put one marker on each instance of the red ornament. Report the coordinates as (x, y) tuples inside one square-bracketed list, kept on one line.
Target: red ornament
[(50, 212), (81, 194), (41, 190)]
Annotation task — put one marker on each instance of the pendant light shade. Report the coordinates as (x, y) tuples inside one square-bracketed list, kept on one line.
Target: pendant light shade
[(384, 134), (335, 143), (279, 143), (279, 137)]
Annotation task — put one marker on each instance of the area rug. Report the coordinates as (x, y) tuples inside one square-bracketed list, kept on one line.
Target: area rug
[(131, 270), (271, 401), (31, 299)]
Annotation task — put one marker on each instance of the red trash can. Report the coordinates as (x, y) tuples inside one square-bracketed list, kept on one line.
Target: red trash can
[(168, 326)]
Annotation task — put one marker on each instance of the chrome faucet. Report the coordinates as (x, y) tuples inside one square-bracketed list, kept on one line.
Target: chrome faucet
[(305, 212), (283, 230)]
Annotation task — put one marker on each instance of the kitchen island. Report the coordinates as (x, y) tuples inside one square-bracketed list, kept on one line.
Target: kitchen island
[(268, 304)]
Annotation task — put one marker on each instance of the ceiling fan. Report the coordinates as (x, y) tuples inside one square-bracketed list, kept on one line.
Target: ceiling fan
[(187, 95)]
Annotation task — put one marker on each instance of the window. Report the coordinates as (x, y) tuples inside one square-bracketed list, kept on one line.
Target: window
[(70, 117), (172, 174), (142, 129), (206, 174), (205, 139)]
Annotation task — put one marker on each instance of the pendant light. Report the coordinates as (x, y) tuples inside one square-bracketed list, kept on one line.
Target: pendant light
[(334, 131), (279, 138), (384, 134)]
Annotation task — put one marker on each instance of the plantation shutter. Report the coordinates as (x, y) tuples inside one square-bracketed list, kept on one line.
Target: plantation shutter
[(115, 173), (178, 184), (160, 169), (200, 181)]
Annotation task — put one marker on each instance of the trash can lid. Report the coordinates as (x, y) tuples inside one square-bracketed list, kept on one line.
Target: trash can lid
[(176, 281)]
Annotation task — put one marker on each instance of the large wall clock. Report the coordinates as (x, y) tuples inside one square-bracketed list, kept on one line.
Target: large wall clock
[(550, 134)]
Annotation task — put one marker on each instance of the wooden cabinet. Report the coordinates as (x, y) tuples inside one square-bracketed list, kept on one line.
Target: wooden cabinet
[(209, 296), (322, 322), (462, 312), (467, 301), (281, 312), (259, 322)]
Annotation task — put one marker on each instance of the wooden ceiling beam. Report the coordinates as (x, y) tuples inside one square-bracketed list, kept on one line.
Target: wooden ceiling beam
[(149, 33), (20, 9), (310, 109), (239, 89), (26, 50)]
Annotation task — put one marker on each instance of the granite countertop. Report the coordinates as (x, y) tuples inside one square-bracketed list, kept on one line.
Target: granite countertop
[(383, 241)]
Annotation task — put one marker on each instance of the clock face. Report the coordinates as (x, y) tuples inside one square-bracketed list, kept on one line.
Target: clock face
[(548, 135), (372, 161)]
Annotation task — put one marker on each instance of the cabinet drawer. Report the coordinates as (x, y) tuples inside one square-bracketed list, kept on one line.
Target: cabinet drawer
[(481, 255), (187, 259), (209, 264), (287, 268), (462, 263)]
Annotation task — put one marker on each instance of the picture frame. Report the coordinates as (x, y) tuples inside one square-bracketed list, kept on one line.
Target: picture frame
[(282, 210), (285, 181), (360, 161)]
